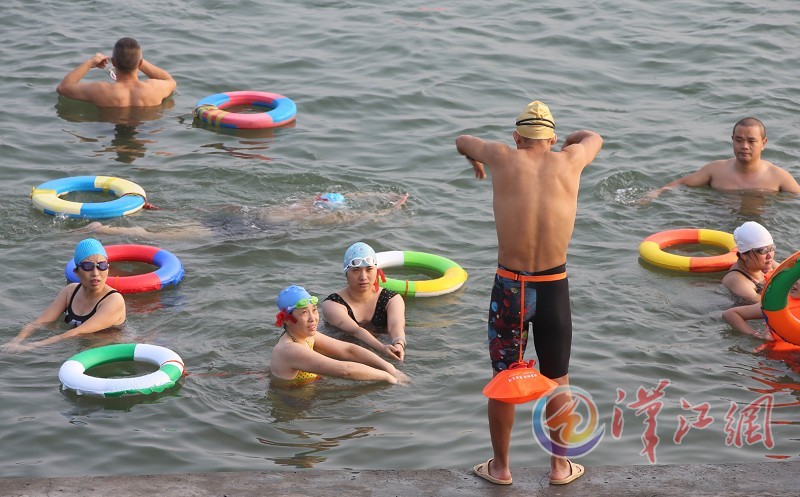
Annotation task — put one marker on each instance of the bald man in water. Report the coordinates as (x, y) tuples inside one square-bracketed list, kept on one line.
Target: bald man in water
[(746, 170), (127, 90), (535, 203)]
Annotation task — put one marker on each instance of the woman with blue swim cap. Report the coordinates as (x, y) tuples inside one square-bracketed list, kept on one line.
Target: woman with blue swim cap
[(302, 353), (363, 303), (90, 305)]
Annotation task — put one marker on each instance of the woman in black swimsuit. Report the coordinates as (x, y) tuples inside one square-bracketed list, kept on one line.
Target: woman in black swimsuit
[(90, 305), (363, 303), (756, 257)]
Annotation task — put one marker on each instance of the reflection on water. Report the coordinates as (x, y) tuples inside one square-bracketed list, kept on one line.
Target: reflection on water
[(125, 144), (83, 406), (307, 455), (312, 401), (252, 141)]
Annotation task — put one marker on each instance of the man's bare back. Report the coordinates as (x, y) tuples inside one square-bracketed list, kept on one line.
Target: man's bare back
[(535, 202), (127, 90), (535, 194)]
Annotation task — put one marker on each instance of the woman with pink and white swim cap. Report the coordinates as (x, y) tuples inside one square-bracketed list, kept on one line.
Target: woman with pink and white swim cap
[(756, 257), (362, 306)]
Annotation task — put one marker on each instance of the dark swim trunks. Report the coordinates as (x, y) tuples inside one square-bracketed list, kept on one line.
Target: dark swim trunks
[(546, 306)]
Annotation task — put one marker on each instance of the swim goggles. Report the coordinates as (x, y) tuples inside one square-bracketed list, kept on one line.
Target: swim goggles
[(361, 261), (537, 121), (88, 265), (303, 303), (764, 250)]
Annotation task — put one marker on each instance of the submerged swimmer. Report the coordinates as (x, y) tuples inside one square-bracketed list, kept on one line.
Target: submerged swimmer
[(325, 208), (90, 305), (302, 353)]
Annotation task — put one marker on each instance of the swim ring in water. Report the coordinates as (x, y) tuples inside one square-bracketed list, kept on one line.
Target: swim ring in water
[(210, 110), (652, 250)]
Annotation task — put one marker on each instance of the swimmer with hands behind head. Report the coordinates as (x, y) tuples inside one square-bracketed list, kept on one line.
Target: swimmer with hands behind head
[(302, 353), (363, 303), (535, 201), (127, 90), (755, 257), (90, 305)]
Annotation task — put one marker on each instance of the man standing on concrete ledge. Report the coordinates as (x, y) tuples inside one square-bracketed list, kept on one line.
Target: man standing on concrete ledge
[(127, 90), (535, 202)]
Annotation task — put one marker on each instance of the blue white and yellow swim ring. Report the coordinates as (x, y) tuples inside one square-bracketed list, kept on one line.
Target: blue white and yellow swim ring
[(47, 197)]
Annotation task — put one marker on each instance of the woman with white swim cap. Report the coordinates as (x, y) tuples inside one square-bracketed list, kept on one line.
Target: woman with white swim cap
[(756, 257), (90, 305), (362, 303)]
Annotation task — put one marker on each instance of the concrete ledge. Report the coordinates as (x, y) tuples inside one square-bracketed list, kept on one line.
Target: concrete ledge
[(778, 478)]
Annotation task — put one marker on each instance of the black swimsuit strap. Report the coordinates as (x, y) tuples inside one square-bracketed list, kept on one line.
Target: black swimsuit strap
[(756, 283), (71, 314), (335, 297), (379, 315)]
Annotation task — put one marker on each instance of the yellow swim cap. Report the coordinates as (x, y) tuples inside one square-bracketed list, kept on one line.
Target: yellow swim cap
[(536, 122)]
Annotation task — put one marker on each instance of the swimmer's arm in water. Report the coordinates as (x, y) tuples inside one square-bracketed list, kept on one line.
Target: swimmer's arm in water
[(354, 356), (787, 182), (182, 233), (104, 229), (336, 315), (737, 318), (50, 314), (110, 313), (701, 177), (398, 200), (396, 324)]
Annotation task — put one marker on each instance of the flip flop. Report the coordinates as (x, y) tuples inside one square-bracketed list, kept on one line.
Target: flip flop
[(576, 471), (482, 470)]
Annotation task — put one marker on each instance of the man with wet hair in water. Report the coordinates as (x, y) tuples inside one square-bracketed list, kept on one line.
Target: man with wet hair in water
[(746, 170), (127, 90), (535, 202)]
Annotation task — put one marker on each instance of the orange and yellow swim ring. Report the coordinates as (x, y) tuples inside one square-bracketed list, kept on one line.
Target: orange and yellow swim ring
[(652, 250)]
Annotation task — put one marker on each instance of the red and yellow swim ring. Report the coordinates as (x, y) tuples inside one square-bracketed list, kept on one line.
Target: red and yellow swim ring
[(652, 250)]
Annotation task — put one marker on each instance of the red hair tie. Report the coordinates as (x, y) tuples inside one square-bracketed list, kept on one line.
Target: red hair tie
[(382, 276), (284, 316)]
